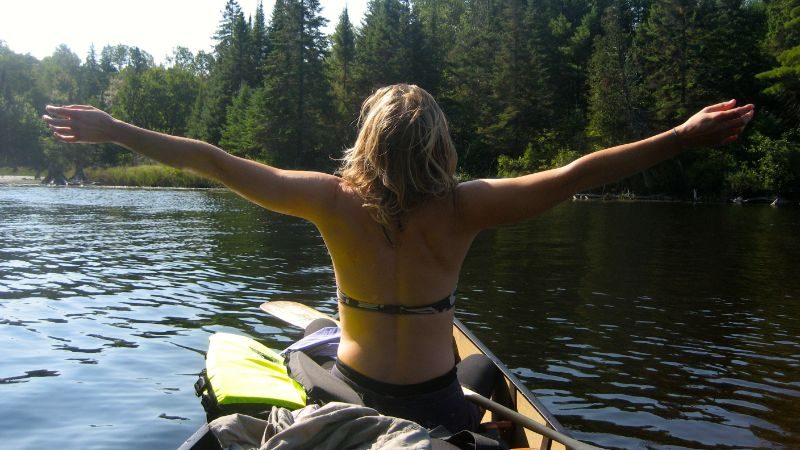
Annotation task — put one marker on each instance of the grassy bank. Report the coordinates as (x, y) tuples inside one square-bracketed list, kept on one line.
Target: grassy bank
[(153, 175), (18, 171)]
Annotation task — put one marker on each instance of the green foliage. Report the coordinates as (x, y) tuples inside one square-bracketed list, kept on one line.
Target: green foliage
[(20, 129), (773, 166), (154, 98), (19, 171), (239, 135), (148, 175), (783, 42), (542, 153)]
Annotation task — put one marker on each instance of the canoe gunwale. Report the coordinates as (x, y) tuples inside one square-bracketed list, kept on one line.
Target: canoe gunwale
[(552, 422)]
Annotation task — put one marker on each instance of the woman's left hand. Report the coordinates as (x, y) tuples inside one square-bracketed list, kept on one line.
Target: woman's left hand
[(715, 125)]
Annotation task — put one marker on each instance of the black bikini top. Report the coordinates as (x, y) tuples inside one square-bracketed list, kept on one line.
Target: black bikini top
[(442, 305)]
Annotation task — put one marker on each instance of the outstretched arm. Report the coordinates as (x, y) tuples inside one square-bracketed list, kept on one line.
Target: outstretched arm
[(303, 194), (488, 203)]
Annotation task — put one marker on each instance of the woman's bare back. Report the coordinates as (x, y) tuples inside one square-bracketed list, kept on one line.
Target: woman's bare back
[(412, 266)]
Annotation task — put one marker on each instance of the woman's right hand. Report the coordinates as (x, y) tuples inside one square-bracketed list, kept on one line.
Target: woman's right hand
[(80, 124), (715, 125)]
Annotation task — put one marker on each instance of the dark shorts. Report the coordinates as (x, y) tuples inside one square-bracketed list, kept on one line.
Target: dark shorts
[(432, 403)]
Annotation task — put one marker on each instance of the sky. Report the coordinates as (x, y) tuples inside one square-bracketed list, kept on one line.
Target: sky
[(38, 27)]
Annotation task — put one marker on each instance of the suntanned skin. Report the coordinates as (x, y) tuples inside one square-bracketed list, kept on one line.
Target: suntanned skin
[(422, 263)]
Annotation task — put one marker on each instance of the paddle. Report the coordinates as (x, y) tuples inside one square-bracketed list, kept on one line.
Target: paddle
[(294, 313), (300, 315)]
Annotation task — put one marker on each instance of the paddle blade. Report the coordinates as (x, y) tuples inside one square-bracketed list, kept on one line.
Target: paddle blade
[(294, 313)]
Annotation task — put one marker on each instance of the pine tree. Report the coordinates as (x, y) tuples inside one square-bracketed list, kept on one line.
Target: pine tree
[(783, 42), (340, 69), (669, 59), (726, 45), (468, 86), (439, 23), (293, 105), (520, 83), (238, 136), (93, 80), (612, 102), (226, 29), (566, 30), (230, 71), (383, 56), (259, 46)]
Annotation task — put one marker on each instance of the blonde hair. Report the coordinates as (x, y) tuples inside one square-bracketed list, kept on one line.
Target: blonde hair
[(403, 154)]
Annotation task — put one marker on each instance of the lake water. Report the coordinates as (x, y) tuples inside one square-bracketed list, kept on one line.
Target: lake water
[(638, 325)]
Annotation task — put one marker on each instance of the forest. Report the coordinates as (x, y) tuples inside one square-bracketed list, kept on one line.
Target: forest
[(526, 85)]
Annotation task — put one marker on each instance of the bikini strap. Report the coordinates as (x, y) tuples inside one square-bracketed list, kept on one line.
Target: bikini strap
[(442, 305)]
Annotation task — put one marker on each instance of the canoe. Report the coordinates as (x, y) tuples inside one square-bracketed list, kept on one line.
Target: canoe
[(513, 394), (510, 393)]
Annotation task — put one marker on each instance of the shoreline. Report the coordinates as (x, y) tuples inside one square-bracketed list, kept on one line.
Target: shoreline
[(30, 180), (19, 180)]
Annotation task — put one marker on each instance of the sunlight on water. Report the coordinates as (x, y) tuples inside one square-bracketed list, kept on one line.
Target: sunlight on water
[(638, 325)]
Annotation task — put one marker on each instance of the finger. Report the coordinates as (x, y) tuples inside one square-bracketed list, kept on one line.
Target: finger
[(749, 116), (66, 138), (57, 111), (736, 113), (730, 139), (80, 107), (61, 130), (56, 121), (720, 106), (741, 121)]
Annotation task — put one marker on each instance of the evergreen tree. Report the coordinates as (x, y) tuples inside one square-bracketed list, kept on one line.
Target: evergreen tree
[(727, 51), (229, 73), (520, 83), (93, 80), (669, 58), (238, 136), (439, 23), (468, 86), (293, 105), (226, 30), (783, 42), (259, 46), (340, 69), (566, 29), (383, 55), (612, 80)]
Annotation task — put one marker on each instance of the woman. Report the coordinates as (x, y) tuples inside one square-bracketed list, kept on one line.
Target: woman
[(398, 226)]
